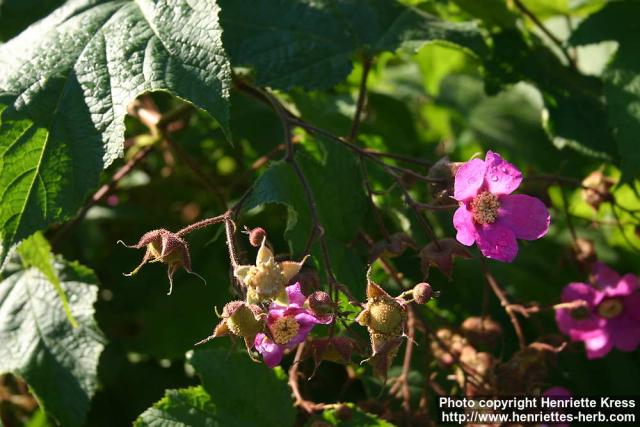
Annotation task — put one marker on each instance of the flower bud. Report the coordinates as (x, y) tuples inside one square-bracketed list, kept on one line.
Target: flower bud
[(320, 303), (256, 236), (445, 171), (422, 293)]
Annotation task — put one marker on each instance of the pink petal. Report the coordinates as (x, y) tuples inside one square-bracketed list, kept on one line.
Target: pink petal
[(625, 332), (632, 305), (469, 179), (306, 320), (463, 222), (627, 285), (605, 276), (597, 344), (576, 329), (271, 352), (497, 242), (575, 291), (296, 297), (526, 216), (501, 176)]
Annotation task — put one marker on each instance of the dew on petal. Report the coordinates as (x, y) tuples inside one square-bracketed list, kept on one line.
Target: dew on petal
[(494, 178)]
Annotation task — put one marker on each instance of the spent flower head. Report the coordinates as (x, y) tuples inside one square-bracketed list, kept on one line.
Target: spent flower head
[(165, 247), (240, 319), (489, 215), (268, 278)]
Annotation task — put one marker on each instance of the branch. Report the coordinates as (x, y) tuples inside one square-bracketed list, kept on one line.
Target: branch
[(362, 98), (529, 14), (307, 405), (508, 307)]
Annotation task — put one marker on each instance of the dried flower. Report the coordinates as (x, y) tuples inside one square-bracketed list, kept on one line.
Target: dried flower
[(384, 318), (241, 319), (489, 214), (166, 247), (391, 248), (597, 189), (441, 255), (267, 279)]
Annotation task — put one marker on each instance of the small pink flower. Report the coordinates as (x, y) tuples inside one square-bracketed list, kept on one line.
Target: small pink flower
[(289, 326), (611, 317), (489, 214)]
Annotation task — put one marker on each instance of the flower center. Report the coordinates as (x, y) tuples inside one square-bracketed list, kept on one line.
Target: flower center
[(284, 329), (267, 278), (610, 308), (484, 208)]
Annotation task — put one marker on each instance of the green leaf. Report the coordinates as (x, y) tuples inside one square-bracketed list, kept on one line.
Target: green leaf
[(357, 418), (577, 112), (246, 393), (280, 185), (618, 21), (340, 211), (310, 44), (58, 362), (36, 252), (187, 407), (66, 82)]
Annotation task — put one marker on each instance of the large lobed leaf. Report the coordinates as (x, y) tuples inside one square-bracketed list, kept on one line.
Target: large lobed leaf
[(187, 407), (65, 84), (310, 44), (244, 392), (58, 361)]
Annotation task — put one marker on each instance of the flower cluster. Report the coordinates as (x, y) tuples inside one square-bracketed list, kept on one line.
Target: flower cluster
[(610, 316)]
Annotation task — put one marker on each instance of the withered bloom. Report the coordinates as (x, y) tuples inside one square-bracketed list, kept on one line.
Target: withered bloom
[(267, 279), (384, 318), (166, 247), (240, 319)]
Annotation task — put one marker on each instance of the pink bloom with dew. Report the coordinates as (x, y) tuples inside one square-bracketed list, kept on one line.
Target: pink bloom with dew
[(610, 317), (489, 215), (289, 326)]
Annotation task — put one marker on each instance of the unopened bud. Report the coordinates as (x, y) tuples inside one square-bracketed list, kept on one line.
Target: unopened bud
[(256, 236), (444, 171), (422, 293), (320, 303)]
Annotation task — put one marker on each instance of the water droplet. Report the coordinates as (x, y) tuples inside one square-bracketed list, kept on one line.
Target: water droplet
[(494, 178), (505, 170)]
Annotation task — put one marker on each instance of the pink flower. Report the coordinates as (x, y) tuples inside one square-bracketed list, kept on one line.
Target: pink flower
[(289, 326), (611, 317), (489, 214)]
